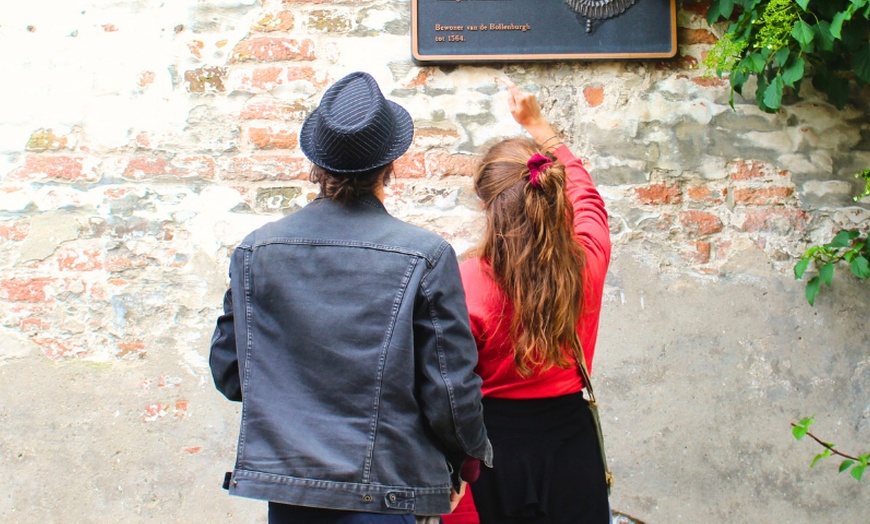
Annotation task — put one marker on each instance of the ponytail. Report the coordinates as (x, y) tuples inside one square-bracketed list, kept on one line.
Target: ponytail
[(532, 253)]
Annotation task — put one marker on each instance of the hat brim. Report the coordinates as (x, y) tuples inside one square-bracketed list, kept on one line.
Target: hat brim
[(403, 135)]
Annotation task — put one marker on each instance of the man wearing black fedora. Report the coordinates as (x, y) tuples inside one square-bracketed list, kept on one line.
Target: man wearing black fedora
[(346, 337)]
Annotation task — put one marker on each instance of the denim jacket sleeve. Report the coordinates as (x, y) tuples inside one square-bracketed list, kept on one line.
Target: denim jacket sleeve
[(445, 348), (223, 359)]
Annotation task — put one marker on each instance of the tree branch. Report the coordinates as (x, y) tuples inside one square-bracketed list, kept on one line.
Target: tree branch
[(829, 446)]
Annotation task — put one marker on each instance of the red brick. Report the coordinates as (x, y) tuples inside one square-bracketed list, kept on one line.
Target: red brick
[(421, 78), (710, 81), (256, 168), (699, 8), (26, 289), (201, 166), (209, 79), (145, 168), (196, 47), (702, 251), (146, 78), (688, 36), (702, 193), (116, 263), (14, 230), (700, 222), (594, 96), (264, 78), (753, 169), (267, 49), (280, 21), (60, 167), (131, 347), (447, 164), (56, 349), (307, 73), (762, 196), (659, 194), (268, 138), (776, 220), (411, 165), (71, 259), (154, 411)]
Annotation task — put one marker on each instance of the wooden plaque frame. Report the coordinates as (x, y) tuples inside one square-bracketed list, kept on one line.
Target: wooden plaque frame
[(539, 30)]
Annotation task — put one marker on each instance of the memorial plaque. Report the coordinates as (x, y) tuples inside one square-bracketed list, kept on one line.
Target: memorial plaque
[(531, 30)]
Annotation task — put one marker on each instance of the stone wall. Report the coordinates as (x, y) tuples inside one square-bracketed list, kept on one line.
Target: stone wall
[(141, 141)]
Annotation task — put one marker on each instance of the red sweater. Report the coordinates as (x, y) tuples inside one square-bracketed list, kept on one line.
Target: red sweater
[(485, 298)]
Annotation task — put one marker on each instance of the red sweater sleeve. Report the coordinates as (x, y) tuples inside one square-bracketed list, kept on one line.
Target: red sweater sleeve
[(590, 216)]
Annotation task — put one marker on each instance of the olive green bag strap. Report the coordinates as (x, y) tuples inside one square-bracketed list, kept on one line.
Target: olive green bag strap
[(593, 407)]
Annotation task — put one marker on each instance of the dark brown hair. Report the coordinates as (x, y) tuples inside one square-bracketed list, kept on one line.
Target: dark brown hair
[(345, 187), (532, 252)]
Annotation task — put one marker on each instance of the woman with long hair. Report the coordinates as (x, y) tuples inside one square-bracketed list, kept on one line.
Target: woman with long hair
[(534, 290)]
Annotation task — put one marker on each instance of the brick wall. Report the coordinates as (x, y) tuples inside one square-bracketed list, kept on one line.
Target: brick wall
[(140, 142)]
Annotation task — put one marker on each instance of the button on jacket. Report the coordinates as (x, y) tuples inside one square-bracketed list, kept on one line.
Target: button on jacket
[(346, 337)]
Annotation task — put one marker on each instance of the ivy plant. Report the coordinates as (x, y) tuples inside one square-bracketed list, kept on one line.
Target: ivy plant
[(779, 42)]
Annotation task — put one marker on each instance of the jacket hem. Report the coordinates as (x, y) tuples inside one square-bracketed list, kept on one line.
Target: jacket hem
[(348, 496)]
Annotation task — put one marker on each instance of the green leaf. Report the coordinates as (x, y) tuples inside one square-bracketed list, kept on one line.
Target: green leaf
[(755, 62), (820, 456), (860, 267), (861, 63), (835, 87), (801, 267), (794, 72), (781, 56), (803, 4), (826, 273), (799, 432), (812, 290), (837, 23), (807, 421), (846, 464), (857, 472), (720, 9), (843, 238), (823, 36), (773, 93), (738, 79), (803, 33)]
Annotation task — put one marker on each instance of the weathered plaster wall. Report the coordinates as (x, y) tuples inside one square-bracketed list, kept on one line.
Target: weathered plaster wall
[(142, 140)]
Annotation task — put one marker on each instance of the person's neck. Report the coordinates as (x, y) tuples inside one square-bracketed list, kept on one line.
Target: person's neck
[(379, 193)]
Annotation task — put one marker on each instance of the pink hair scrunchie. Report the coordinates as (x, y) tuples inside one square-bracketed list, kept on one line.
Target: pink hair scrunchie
[(537, 164)]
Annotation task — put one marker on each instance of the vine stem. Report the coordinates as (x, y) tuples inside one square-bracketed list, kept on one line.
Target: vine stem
[(829, 446)]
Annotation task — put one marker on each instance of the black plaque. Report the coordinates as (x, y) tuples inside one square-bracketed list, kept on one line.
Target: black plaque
[(530, 30)]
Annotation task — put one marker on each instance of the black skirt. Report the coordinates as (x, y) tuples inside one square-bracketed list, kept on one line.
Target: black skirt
[(287, 514), (547, 466)]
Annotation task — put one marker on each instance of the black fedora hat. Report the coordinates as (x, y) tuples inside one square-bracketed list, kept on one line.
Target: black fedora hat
[(355, 129)]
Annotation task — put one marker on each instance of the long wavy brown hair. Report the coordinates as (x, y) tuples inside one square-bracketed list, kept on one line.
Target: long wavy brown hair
[(532, 254)]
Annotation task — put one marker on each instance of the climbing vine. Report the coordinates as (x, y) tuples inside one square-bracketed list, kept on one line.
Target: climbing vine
[(779, 43)]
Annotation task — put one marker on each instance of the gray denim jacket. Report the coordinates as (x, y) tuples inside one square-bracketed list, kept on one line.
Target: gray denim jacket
[(346, 337)]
